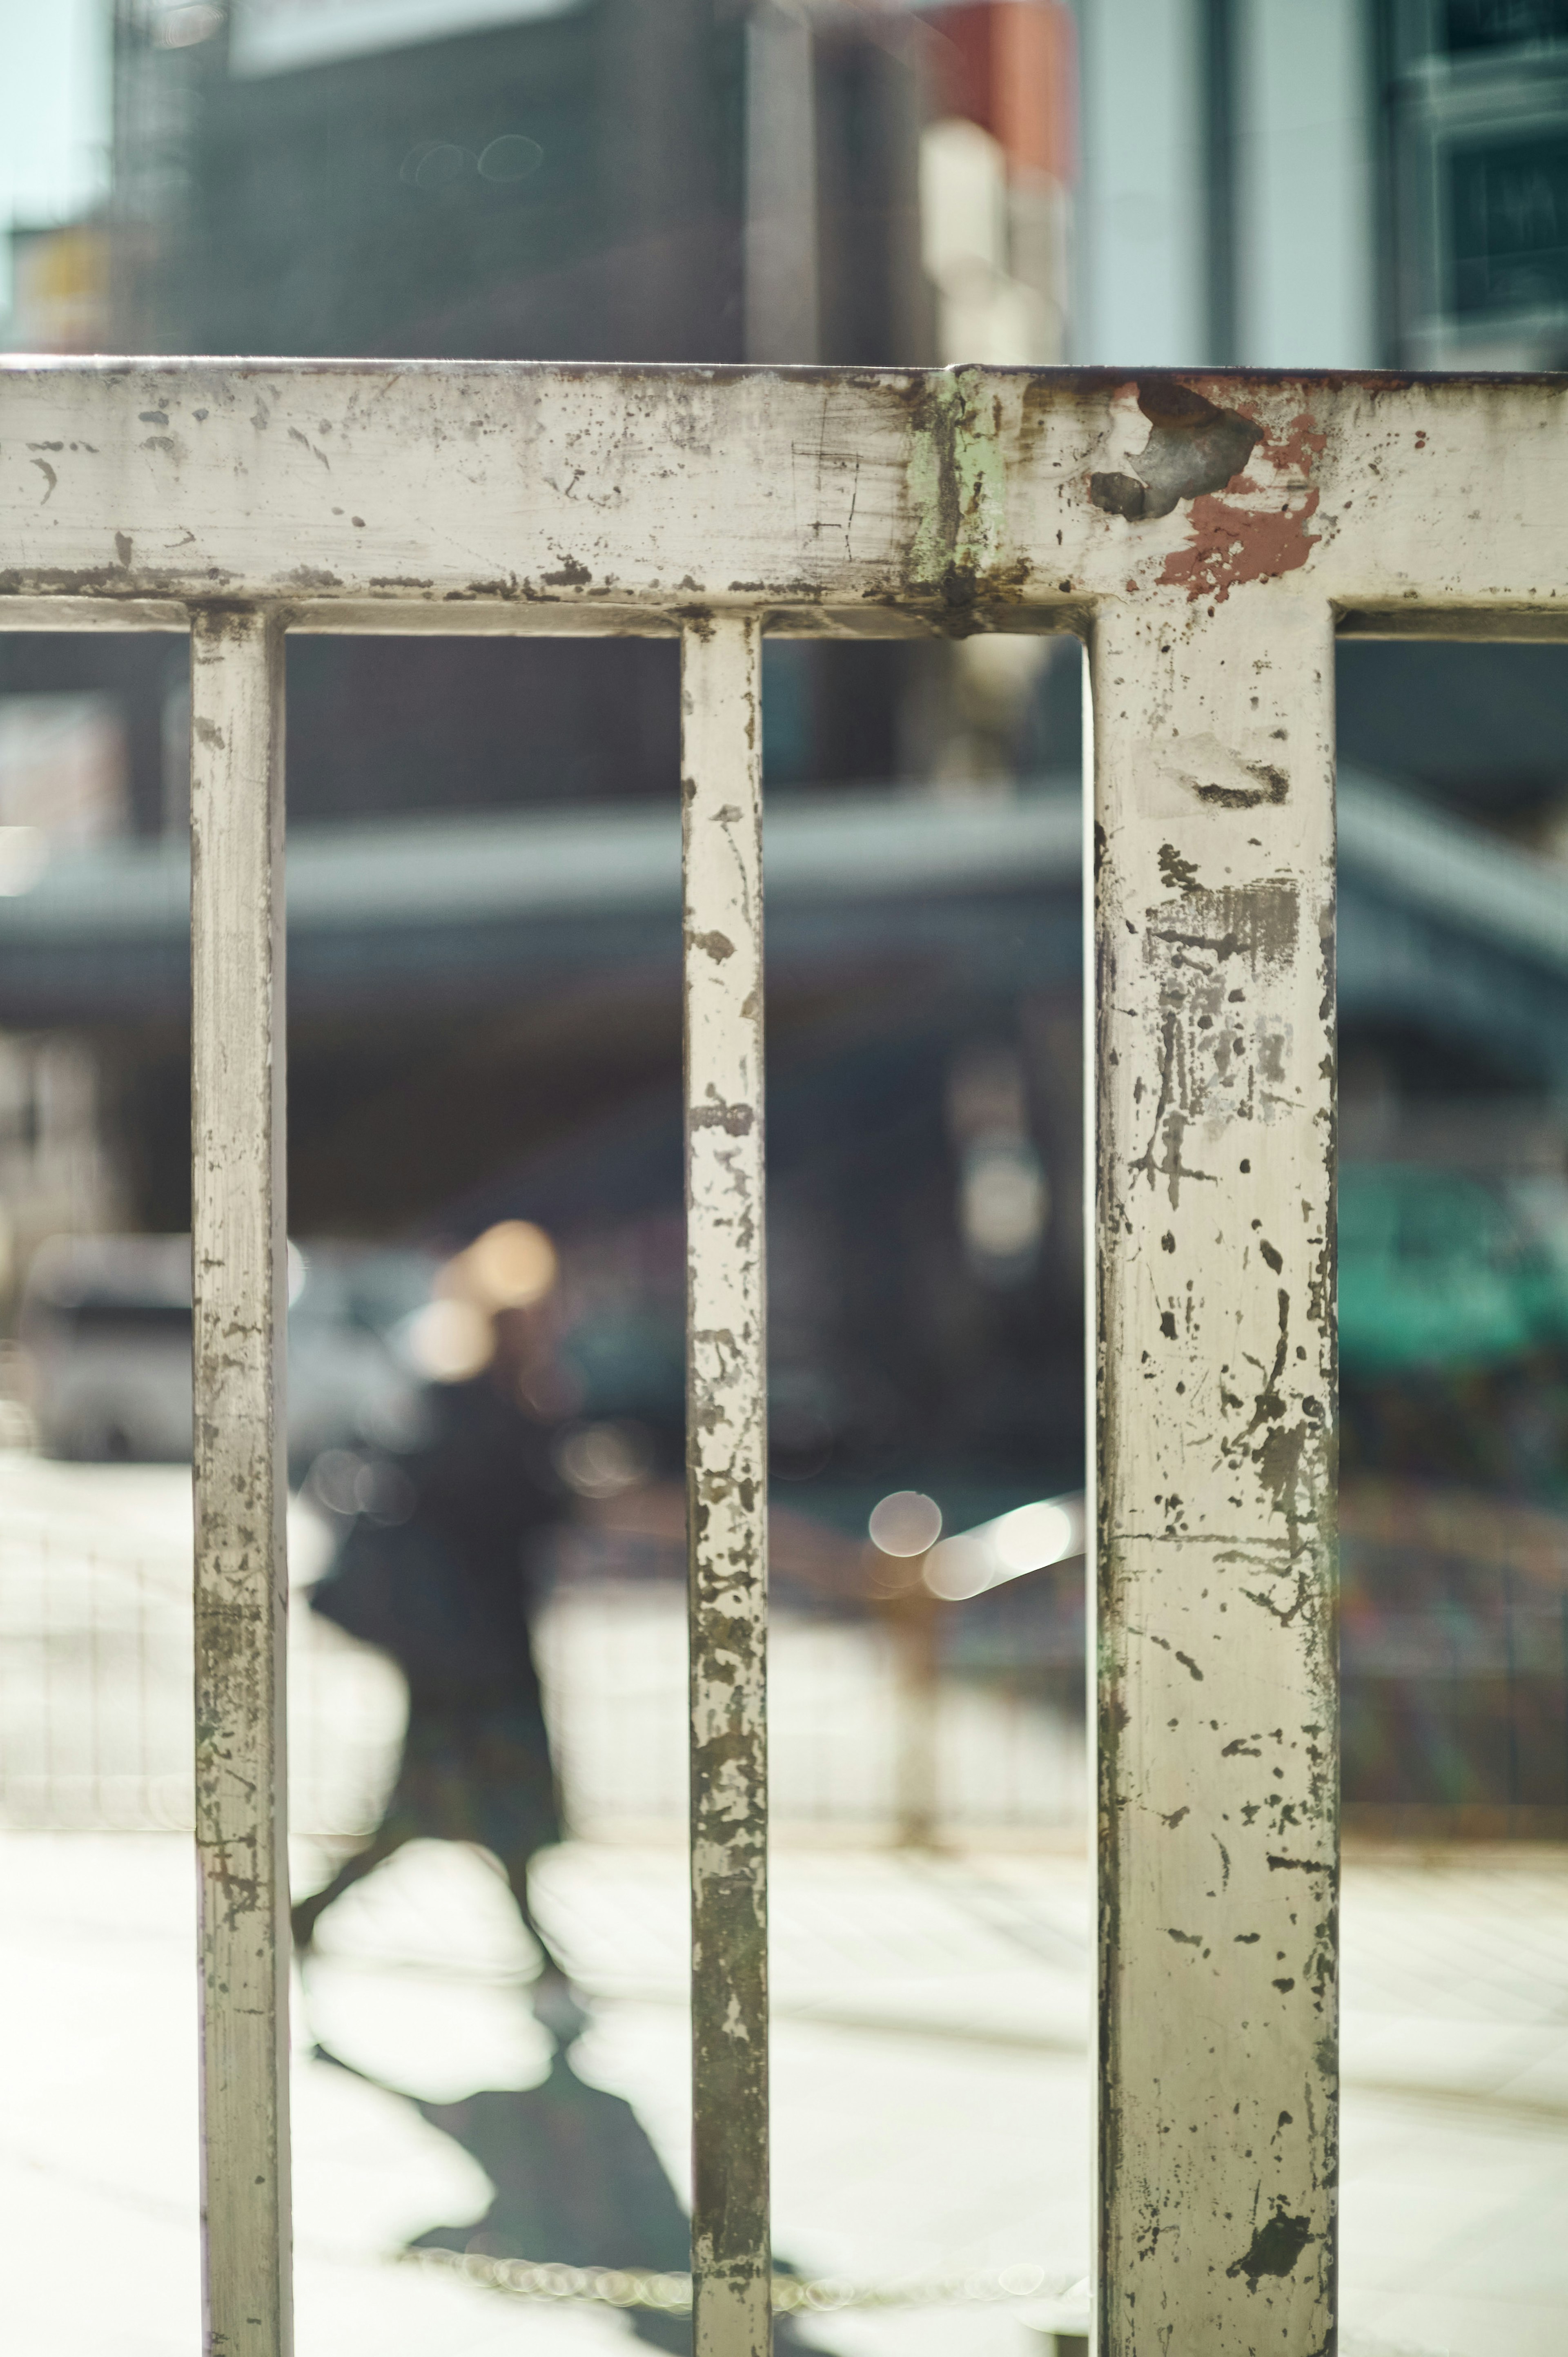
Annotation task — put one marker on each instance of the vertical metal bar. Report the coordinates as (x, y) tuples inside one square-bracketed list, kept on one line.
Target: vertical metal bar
[(1454, 1776), (51, 1798), (144, 1768), (236, 1220), (1214, 1338), (11, 1628), (96, 1688), (726, 1482)]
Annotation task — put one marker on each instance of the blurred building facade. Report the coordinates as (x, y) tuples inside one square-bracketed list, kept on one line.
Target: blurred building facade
[(1323, 183), (690, 181)]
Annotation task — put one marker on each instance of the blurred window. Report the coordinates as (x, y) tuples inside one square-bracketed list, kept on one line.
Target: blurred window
[(1482, 25), (1479, 119)]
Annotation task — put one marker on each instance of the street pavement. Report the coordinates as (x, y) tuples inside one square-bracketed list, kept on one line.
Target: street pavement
[(931, 2089)]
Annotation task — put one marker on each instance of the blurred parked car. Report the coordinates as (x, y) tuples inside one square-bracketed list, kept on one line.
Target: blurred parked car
[(106, 1325)]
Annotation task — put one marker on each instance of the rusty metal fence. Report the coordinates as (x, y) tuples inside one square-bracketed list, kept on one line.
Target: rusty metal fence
[(1207, 536)]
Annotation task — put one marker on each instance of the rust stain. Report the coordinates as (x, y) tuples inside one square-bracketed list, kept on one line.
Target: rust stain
[(1177, 872), (716, 945)]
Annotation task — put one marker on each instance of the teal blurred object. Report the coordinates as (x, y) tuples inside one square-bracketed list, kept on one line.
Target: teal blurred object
[(1439, 1271)]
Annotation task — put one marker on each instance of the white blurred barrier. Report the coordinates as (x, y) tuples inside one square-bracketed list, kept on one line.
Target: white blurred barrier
[(96, 1665), (613, 1659)]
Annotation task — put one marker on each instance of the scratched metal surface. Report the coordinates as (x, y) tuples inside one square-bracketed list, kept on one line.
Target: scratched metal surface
[(1213, 1056), (1206, 534), (242, 1496), (514, 495), (726, 1482)]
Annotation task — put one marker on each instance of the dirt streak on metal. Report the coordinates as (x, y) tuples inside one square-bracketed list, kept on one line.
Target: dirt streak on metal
[(1216, 1750), (241, 1563), (727, 1482)]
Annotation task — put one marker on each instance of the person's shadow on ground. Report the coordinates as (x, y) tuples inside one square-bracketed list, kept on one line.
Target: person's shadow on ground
[(578, 2182)]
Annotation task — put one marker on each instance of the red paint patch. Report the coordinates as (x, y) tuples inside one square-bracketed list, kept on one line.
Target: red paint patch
[(1231, 546), (1301, 447)]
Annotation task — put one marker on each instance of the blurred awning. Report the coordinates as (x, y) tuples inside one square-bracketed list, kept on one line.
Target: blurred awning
[(462, 909), (1443, 925), (1451, 931)]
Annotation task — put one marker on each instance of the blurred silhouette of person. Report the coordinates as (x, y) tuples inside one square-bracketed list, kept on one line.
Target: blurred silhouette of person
[(438, 1569)]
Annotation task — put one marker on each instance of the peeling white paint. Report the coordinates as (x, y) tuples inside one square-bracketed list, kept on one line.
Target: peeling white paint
[(519, 496), (241, 1485), (1214, 1042), (726, 1429)]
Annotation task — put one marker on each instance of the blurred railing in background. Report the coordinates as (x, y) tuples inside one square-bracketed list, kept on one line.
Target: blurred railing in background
[(1006, 1718), (1454, 1636), (96, 1664), (1454, 1649), (95, 1670)]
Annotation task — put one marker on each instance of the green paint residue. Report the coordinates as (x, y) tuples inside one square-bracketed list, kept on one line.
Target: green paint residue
[(957, 485)]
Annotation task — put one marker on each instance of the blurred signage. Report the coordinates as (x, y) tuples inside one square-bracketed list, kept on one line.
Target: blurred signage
[(59, 289), (1011, 66), (64, 775), (276, 36), (1509, 214)]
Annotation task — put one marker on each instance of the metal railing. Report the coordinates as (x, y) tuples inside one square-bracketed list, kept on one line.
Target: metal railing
[(1208, 535)]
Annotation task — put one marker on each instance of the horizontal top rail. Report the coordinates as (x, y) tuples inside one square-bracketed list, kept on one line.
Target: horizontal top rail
[(520, 496)]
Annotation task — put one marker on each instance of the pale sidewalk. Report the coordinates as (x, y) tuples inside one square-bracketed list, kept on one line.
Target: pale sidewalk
[(931, 2089), (930, 2070)]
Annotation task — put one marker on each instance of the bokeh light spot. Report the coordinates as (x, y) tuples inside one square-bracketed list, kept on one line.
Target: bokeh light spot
[(510, 1266), (450, 1341), (906, 1522), (512, 157), (434, 164)]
